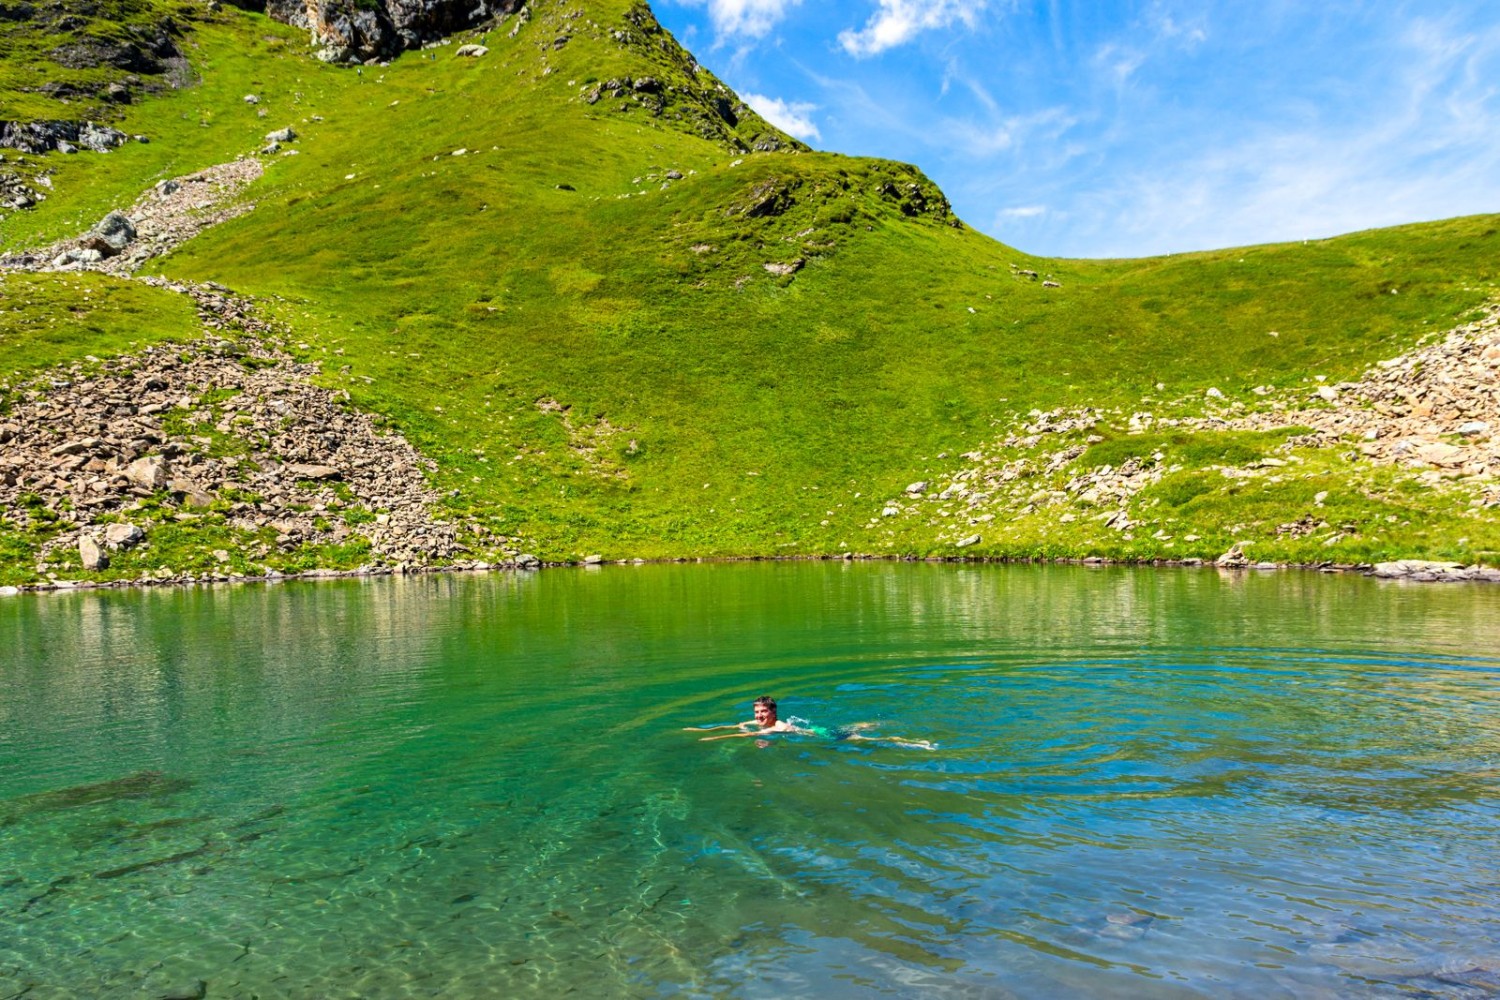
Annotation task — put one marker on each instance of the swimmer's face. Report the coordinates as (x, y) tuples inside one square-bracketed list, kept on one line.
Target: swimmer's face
[(765, 715)]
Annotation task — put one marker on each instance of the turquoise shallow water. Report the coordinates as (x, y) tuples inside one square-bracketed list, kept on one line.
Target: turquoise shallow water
[(1147, 783)]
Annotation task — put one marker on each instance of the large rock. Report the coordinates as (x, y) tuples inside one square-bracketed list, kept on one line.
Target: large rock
[(113, 234), (123, 536), (150, 473), (92, 555), (1439, 453), (358, 30)]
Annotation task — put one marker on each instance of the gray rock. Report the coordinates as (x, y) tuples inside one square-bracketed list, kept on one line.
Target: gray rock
[(1234, 558), (100, 138), (93, 556), (783, 270), (167, 188), (252, 99), (964, 543), (472, 51), (9, 591), (75, 447), (196, 991), (190, 492), (313, 471), (113, 233), (1415, 569), (150, 472), (1439, 453), (123, 536), (281, 135), (917, 487), (1474, 428)]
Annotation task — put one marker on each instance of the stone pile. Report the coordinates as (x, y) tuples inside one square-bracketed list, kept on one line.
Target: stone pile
[(171, 213), (1436, 408), (232, 424)]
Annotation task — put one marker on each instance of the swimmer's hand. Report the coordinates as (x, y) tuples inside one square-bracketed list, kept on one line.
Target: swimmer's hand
[(705, 729)]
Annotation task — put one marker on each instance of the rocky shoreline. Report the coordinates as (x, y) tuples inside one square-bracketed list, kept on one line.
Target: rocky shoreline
[(1403, 570)]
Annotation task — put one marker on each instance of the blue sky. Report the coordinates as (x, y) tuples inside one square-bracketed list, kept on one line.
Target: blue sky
[(1135, 128)]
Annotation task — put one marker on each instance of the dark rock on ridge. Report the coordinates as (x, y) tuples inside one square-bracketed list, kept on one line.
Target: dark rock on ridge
[(353, 31), (40, 137)]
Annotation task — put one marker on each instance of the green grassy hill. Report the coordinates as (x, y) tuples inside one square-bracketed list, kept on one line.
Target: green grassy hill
[(624, 315)]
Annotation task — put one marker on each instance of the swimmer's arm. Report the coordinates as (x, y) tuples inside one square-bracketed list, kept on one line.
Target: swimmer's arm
[(705, 729), (734, 736), (900, 741)]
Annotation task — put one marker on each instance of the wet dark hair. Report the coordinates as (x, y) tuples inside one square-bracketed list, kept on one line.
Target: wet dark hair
[(767, 701)]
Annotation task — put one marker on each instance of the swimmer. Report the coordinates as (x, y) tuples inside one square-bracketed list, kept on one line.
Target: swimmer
[(766, 721)]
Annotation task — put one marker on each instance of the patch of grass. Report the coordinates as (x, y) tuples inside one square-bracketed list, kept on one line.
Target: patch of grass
[(1193, 448), (59, 318)]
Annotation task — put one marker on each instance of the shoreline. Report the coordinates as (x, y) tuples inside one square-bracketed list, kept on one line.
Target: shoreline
[(1406, 570)]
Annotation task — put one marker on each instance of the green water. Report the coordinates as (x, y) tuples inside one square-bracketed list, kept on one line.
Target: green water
[(1147, 783)]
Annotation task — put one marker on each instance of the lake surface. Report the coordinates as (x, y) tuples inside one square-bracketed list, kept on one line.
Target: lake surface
[(1147, 783)]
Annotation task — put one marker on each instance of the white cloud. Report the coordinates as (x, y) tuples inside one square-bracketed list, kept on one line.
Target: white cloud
[(1431, 153), (1023, 212), (1119, 62), (980, 140), (746, 18), (899, 21), (789, 116)]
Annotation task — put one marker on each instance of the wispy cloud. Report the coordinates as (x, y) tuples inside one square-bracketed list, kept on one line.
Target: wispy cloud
[(1023, 212), (1430, 152), (794, 117), (899, 21), (1188, 32), (1001, 133), (742, 19), (1119, 62)]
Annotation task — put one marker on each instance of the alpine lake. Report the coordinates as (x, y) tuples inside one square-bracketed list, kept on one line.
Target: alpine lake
[(1146, 783)]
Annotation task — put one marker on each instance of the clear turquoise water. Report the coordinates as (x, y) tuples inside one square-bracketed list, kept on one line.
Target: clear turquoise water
[(1148, 783)]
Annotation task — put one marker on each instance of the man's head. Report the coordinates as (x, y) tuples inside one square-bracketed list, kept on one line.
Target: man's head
[(765, 710)]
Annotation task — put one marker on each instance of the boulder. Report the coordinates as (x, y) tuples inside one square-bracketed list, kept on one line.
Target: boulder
[(281, 135), (1234, 558), (1439, 453), (92, 555), (472, 51), (190, 492), (964, 543), (123, 536), (113, 234), (150, 473)]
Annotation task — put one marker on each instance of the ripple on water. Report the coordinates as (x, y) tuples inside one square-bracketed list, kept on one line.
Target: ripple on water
[(1170, 784)]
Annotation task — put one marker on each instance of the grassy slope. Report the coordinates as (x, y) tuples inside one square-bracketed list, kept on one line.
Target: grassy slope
[(728, 411)]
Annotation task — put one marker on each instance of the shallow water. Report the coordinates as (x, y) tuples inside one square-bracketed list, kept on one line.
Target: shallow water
[(1163, 783)]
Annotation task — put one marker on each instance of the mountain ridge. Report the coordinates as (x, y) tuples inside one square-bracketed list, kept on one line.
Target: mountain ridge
[(620, 322)]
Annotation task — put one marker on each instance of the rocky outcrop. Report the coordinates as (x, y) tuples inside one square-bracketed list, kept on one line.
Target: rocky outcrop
[(225, 428), (352, 31), (1435, 409), (66, 136)]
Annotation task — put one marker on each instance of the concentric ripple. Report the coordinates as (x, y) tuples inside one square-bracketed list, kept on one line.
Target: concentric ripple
[(1146, 783)]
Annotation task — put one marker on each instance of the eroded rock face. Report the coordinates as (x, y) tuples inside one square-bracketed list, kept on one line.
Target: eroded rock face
[(344, 31)]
